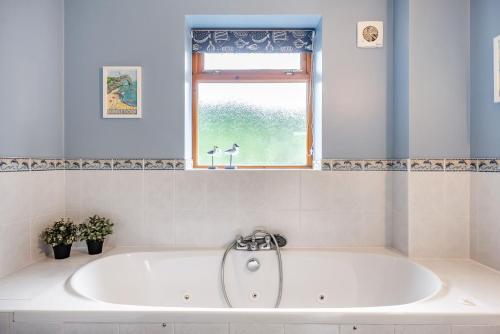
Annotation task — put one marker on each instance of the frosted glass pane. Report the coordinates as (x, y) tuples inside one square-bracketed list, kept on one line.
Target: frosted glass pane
[(251, 61), (268, 121)]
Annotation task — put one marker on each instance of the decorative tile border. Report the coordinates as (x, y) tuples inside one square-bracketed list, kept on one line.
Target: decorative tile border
[(43, 164), (488, 165), (97, 164), (159, 164), (460, 165), (364, 165), (14, 165), (72, 164), (347, 165), (427, 165), (413, 165), (40, 164), (128, 164)]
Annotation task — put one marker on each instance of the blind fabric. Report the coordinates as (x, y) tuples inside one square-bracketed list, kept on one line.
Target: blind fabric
[(252, 41)]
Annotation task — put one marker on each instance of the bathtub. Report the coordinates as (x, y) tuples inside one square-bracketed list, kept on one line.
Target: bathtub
[(311, 279)]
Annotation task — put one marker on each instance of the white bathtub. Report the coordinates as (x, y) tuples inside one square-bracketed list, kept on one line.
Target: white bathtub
[(312, 279)]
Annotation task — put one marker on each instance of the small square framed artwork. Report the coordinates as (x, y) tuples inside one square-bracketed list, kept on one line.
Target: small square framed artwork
[(496, 68), (121, 92)]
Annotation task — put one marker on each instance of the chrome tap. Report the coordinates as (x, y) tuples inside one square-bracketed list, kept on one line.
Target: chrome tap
[(254, 245), (267, 243), (241, 244), (259, 240)]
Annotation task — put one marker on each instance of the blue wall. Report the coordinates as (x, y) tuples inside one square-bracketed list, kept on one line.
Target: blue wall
[(485, 115), (438, 72), (357, 103), (401, 78), (31, 87)]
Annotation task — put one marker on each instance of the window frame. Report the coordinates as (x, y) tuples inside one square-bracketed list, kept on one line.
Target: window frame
[(199, 75)]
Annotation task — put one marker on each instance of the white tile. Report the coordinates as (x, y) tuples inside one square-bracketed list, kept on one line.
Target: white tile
[(37, 328), (96, 193), (15, 251), (190, 190), (73, 196), (222, 189), (475, 330), (89, 328), (282, 190), (38, 248), (16, 196), (436, 228), (205, 228), (327, 228), (349, 191), (256, 328), (367, 329), (399, 217), (5, 323), (286, 223), (311, 329), (316, 190), (159, 207), (485, 195), (317, 228), (47, 192), (373, 230), (422, 329), (457, 194), (376, 189), (201, 329), (127, 208), (251, 190), (146, 329)]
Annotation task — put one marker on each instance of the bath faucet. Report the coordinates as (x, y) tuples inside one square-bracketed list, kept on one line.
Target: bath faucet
[(241, 244), (259, 240)]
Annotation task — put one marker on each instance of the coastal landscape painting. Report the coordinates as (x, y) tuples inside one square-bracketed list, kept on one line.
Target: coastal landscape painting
[(121, 92), (496, 67)]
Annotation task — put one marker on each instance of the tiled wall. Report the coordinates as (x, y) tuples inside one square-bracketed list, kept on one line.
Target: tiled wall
[(438, 214), (424, 211), (485, 218), (28, 201), (431, 208), (209, 208)]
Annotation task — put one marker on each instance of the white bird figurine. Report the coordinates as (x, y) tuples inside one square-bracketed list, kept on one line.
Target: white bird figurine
[(232, 151), (215, 151)]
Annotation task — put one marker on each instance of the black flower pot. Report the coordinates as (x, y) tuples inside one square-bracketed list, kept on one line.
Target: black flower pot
[(61, 251), (95, 246)]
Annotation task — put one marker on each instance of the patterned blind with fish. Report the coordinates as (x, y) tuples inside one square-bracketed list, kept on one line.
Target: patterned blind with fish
[(252, 41)]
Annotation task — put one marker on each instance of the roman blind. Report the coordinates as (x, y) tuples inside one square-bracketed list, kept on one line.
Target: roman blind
[(252, 41)]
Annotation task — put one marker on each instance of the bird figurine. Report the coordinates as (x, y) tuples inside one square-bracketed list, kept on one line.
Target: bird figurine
[(232, 151), (215, 151)]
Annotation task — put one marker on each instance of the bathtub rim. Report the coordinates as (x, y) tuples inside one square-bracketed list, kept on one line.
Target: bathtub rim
[(379, 251), (462, 278)]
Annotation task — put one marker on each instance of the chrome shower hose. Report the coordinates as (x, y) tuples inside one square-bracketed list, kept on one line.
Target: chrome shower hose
[(280, 267)]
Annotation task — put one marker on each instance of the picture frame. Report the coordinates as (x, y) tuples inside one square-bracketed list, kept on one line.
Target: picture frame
[(496, 69), (121, 92), (370, 34)]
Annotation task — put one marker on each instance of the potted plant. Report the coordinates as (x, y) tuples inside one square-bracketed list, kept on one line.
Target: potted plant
[(61, 236), (94, 231)]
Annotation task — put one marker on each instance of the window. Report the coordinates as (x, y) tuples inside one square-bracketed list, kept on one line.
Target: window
[(259, 100)]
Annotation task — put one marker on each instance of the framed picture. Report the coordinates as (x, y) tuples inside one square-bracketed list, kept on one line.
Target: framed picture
[(370, 34), (121, 92), (496, 68)]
